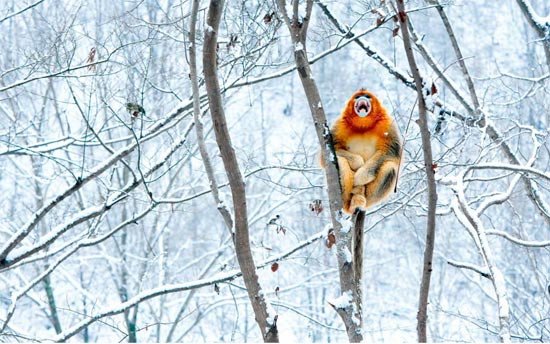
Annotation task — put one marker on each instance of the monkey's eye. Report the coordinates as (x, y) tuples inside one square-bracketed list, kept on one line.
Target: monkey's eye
[(362, 95)]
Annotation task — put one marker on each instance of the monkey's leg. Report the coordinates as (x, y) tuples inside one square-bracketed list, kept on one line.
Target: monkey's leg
[(355, 160), (383, 184), (346, 182)]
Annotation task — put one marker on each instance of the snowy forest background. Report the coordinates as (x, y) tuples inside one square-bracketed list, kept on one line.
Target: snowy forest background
[(123, 241)]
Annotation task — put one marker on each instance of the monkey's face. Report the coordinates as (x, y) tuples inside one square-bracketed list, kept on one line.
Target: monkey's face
[(362, 110), (362, 105)]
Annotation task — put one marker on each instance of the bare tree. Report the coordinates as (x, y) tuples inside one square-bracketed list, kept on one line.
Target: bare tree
[(422, 121), (267, 321), (349, 304)]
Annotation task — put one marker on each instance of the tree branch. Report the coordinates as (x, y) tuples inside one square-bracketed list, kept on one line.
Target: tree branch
[(526, 243), (21, 10), (222, 208), (470, 219), (458, 53), (541, 28), (480, 270)]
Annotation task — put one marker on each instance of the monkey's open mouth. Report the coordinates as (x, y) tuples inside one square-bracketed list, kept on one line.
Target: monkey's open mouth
[(362, 106)]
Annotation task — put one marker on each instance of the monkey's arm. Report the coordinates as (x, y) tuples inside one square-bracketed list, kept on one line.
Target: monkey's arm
[(366, 173), (355, 160), (390, 152)]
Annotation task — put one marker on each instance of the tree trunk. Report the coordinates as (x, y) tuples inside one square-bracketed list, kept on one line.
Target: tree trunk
[(422, 121)]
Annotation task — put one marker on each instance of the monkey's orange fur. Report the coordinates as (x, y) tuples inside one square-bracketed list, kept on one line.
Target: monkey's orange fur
[(368, 149)]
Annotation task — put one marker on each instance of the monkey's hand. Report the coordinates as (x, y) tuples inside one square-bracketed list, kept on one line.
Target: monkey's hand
[(355, 161), (367, 173)]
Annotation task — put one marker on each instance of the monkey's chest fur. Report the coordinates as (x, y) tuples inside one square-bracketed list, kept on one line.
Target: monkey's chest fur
[(364, 145)]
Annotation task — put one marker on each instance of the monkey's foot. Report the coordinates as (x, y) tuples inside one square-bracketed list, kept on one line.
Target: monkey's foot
[(358, 202), (358, 190)]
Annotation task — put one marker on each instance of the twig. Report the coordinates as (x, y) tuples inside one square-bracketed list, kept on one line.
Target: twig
[(518, 241)]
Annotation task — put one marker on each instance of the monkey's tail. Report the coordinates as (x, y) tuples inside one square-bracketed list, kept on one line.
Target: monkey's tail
[(358, 260)]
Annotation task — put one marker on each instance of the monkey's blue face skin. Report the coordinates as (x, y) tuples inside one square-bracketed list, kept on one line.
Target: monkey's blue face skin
[(362, 106)]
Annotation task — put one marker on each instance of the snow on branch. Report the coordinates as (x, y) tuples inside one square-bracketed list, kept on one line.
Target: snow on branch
[(475, 227), (480, 270), (540, 24), (510, 167), (343, 301), (527, 243)]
